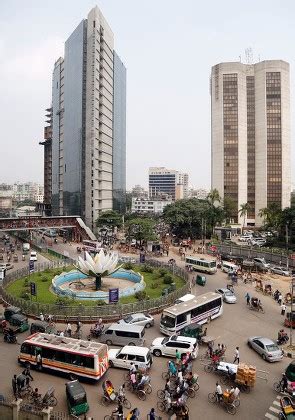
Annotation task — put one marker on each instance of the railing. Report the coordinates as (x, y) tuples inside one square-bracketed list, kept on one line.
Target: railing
[(90, 313)]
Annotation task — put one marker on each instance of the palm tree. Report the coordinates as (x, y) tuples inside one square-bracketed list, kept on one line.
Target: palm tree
[(244, 208), (213, 197)]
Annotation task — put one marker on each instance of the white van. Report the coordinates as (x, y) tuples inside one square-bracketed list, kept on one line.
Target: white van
[(185, 298), (140, 356), (227, 267), (123, 334)]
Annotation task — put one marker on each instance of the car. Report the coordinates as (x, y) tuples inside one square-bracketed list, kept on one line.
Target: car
[(33, 256), (227, 295), (167, 346), (145, 320), (282, 271), (267, 348), (261, 263), (6, 266), (122, 358)]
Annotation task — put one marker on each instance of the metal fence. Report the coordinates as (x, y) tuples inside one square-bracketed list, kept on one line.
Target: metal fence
[(243, 251), (90, 313)]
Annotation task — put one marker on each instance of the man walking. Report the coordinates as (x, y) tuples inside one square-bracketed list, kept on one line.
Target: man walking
[(280, 298), (283, 309), (237, 355), (248, 297), (14, 386), (39, 361), (69, 330)]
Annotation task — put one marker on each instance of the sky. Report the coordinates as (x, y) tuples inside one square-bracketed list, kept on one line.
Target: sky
[(168, 47)]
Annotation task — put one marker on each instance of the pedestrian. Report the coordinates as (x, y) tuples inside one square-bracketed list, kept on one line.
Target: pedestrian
[(69, 330), (152, 415), (41, 317), (27, 373), (178, 356), (219, 392), (237, 355), (248, 297), (283, 309), (14, 386), (280, 298), (39, 361)]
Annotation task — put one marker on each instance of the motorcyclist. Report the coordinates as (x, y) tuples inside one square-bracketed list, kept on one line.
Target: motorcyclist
[(284, 382)]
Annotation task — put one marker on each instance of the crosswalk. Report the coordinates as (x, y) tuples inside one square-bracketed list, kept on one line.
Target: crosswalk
[(274, 409)]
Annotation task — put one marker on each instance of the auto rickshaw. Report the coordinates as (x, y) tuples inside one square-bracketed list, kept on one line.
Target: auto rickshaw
[(194, 330), (41, 326), (259, 286), (267, 290), (288, 408), (201, 280), (10, 311), (20, 321), (290, 320), (76, 398)]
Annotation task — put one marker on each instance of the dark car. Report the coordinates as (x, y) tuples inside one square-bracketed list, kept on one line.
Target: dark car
[(41, 326), (10, 311)]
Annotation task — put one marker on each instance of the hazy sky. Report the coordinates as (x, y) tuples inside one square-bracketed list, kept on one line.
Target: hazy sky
[(168, 47)]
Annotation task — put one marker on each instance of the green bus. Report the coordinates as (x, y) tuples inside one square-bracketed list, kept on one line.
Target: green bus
[(201, 264)]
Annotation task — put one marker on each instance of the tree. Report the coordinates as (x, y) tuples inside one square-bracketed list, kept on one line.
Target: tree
[(141, 229), (229, 207), (244, 208), (213, 197), (110, 219), (271, 216)]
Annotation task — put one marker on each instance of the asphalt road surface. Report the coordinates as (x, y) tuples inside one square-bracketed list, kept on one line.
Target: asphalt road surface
[(233, 328)]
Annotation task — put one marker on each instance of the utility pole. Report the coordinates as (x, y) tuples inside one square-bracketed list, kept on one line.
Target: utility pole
[(287, 246), (291, 314)]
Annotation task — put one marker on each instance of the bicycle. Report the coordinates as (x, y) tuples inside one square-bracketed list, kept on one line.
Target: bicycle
[(228, 406)]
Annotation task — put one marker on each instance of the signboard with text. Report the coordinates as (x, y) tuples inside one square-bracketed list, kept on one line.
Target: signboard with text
[(114, 295), (33, 288), (31, 266)]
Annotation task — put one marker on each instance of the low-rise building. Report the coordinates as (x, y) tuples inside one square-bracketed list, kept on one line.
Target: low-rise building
[(145, 205)]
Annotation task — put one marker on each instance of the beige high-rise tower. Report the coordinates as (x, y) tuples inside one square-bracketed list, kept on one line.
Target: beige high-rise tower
[(250, 135)]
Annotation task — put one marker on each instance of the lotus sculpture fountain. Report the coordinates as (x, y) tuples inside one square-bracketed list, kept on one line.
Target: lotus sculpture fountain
[(99, 266)]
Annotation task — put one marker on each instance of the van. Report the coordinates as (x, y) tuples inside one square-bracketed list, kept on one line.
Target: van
[(123, 335), (184, 298), (227, 267), (139, 356), (26, 248)]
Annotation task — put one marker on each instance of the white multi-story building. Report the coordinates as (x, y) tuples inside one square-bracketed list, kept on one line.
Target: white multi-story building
[(200, 193), (167, 181), (88, 119), (250, 135), (145, 205)]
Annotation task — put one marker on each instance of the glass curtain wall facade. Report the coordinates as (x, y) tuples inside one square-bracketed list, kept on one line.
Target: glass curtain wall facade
[(230, 139), (119, 133), (250, 85), (274, 138), (159, 184)]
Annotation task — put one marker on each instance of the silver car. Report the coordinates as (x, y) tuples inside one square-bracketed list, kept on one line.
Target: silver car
[(145, 320), (282, 271), (267, 348), (227, 295)]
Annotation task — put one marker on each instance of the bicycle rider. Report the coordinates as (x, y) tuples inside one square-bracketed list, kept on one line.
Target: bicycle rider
[(119, 411)]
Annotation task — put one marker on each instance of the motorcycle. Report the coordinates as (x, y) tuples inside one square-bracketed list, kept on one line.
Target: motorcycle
[(95, 332), (283, 340), (10, 338)]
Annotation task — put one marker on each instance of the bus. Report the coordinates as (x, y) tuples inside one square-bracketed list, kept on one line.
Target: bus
[(92, 246), (86, 360), (201, 264), (201, 309)]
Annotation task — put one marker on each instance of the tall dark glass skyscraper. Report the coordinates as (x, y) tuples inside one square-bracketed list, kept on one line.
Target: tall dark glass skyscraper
[(89, 123)]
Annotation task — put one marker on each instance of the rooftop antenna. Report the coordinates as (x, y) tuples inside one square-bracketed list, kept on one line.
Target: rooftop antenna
[(240, 58), (249, 55)]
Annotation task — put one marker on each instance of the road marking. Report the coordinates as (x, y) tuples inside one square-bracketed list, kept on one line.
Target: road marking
[(277, 403), (275, 410), (271, 417)]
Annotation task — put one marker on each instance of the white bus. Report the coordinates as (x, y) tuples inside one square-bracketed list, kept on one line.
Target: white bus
[(79, 358), (201, 309), (201, 264)]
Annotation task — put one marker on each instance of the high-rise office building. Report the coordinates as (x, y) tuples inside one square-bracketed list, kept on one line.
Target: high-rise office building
[(250, 135), (88, 123), (167, 181)]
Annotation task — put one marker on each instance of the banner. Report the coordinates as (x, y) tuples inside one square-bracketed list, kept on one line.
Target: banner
[(114, 295)]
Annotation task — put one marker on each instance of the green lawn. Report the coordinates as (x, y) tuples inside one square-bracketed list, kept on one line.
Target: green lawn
[(19, 288)]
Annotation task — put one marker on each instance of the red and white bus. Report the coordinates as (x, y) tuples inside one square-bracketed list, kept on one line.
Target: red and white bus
[(80, 358)]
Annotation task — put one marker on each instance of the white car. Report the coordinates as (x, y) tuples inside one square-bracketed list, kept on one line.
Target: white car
[(282, 271), (33, 256), (167, 346), (245, 238), (227, 295), (122, 358), (138, 319)]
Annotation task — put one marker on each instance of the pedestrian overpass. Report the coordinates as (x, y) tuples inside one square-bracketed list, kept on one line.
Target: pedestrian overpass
[(78, 228)]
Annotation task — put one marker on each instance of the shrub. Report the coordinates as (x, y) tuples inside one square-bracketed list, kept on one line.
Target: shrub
[(141, 295), (154, 285), (128, 266), (156, 275), (100, 302), (162, 272), (147, 268), (26, 282), (167, 279), (62, 301), (25, 295), (44, 279), (39, 274)]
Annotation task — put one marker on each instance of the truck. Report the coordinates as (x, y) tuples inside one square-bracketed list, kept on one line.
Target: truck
[(26, 248)]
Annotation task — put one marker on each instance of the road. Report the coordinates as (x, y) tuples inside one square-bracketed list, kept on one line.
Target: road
[(233, 328)]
